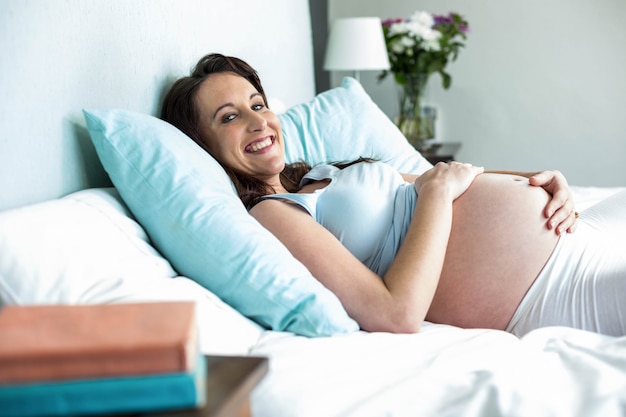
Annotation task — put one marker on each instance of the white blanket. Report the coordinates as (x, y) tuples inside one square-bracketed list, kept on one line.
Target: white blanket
[(443, 371)]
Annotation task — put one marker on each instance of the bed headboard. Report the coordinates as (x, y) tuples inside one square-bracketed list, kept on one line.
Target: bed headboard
[(60, 56)]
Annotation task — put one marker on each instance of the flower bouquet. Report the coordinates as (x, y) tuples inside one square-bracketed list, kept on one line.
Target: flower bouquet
[(418, 47)]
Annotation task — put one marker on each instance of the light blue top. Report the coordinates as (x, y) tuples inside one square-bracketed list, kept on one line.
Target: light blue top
[(367, 206)]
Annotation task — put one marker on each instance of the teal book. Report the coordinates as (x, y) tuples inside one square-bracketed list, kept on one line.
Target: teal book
[(130, 394)]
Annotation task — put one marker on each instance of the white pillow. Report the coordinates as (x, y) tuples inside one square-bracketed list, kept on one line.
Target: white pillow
[(84, 249)]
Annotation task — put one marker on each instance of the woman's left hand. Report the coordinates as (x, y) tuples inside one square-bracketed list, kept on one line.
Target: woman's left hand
[(560, 209)]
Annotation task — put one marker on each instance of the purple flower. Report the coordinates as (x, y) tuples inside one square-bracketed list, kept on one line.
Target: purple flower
[(389, 22), (452, 19), (444, 20)]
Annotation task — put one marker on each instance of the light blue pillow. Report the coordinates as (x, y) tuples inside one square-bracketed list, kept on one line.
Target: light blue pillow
[(343, 124), (189, 207)]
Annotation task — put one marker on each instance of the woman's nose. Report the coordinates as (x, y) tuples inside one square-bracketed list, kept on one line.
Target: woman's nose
[(256, 121)]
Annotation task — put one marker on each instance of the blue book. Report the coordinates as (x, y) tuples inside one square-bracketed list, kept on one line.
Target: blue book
[(133, 394)]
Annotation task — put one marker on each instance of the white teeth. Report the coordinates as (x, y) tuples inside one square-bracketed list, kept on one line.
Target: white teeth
[(260, 145)]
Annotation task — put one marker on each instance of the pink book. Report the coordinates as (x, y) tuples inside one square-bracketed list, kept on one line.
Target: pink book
[(59, 342)]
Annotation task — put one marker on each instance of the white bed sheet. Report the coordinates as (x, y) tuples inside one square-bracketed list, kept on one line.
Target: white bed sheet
[(585, 197), (443, 371)]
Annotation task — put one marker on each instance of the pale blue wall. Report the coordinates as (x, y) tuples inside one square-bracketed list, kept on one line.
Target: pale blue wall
[(540, 85), (58, 56)]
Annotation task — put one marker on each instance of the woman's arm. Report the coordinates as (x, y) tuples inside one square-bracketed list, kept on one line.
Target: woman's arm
[(399, 302)]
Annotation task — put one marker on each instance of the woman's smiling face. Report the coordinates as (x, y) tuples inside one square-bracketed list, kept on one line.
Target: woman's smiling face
[(238, 129)]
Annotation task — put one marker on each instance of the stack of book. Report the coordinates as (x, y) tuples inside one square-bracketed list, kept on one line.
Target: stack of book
[(59, 360)]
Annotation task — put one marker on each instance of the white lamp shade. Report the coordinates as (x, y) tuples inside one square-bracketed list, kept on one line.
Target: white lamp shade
[(356, 44)]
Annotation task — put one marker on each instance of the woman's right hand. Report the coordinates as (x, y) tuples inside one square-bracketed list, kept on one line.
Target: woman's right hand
[(454, 177)]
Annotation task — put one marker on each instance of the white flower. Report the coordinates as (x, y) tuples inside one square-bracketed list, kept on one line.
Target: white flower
[(398, 28), (424, 19), (407, 42), (432, 46), (419, 27), (398, 48), (431, 40)]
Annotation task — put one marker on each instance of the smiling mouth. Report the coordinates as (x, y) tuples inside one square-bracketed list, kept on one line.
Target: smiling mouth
[(260, 145)]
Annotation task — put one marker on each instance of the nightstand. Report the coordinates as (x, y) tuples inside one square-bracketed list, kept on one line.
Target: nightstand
[(440, 152), (230, 379)]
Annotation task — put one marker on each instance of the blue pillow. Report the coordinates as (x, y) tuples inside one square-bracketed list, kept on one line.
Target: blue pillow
[(189, 207), (343, 124)]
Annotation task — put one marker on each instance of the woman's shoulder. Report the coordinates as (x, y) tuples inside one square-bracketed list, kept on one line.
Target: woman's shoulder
[(277, 208)]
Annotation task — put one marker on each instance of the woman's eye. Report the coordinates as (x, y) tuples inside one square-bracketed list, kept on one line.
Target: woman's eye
[(257, 107), (229, 117)]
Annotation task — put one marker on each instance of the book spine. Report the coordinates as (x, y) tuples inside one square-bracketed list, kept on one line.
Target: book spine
[(131, 394), (84, 365), (81, 365), (61, 342)]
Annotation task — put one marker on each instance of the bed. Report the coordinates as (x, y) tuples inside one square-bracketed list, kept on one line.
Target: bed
[(164, 224)]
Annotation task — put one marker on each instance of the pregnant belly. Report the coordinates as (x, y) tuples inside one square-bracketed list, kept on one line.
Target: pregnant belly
[(498, 245)]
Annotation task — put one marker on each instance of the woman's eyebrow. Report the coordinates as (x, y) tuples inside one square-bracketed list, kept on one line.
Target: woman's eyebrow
[(220, 108)]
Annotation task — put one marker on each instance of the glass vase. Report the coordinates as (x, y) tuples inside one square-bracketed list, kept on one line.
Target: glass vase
[(416, 121)]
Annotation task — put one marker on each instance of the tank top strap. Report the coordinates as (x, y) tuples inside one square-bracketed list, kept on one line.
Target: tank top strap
[(318, 173), (308, 201)]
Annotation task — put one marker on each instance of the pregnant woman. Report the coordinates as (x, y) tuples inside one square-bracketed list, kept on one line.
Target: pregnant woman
[(455, 245)]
